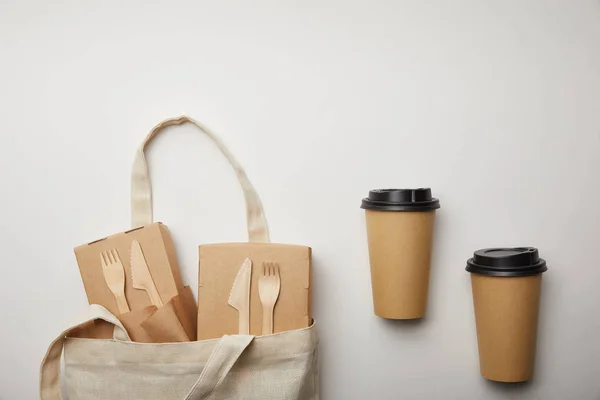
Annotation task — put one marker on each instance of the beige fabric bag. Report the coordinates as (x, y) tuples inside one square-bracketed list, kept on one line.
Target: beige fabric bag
[(282, 366)]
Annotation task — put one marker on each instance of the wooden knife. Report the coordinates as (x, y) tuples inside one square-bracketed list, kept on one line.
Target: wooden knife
[(140, 274), (239, 297)]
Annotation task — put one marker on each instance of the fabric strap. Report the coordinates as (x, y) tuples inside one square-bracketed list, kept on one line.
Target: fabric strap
[(50, 369), (223, 357), (141, 187), (221, 360)]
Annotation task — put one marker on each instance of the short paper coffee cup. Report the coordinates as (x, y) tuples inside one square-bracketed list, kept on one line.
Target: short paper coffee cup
[(506, 285), (400, 234)]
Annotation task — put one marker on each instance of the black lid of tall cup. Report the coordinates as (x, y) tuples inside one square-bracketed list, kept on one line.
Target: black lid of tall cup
[(507, 262), (400, 200)]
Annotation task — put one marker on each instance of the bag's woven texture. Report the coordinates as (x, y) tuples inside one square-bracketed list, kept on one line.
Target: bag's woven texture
[(282, 366)]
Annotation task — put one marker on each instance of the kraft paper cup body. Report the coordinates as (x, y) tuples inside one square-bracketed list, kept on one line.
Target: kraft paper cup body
[(400, 234), (506, 301), (506, 316), (400, 253)]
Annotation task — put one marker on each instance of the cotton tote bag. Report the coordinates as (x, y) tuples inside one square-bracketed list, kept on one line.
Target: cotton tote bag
[(282, 366)]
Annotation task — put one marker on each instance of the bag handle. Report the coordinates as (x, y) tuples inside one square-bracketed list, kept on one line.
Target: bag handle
[(50, 368), (223, 357), (221, 360), (141, 187)]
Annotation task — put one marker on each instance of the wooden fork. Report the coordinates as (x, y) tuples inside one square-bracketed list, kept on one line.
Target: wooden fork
[(269, 285), (114, 275)]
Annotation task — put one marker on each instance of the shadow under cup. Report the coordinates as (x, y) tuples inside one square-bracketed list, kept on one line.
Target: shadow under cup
[(506, 285), (400, 234)]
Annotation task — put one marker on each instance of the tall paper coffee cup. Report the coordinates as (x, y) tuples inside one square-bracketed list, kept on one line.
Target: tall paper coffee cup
[(506, 285), (400, 232)]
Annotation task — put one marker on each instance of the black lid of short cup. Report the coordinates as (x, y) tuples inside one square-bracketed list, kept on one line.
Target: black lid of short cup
[(400, 200), (507, 262)]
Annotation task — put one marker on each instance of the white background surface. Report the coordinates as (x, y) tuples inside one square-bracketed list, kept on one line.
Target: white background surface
[(495, 105)]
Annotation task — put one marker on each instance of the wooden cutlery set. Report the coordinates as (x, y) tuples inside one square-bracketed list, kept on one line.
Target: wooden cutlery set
[(114, 275), (253, 288), (135, 276), (243, 288), (269, 286)]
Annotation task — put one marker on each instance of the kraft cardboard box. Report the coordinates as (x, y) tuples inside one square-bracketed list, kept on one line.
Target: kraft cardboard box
[(219, 265), (144, 322), (159, 253)]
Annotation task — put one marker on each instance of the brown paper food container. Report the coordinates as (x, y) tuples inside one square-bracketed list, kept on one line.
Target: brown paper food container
[(506, 285), (400, 235), (159, 254), (174, 322), (132, 322), (219, 265), (185, 307), (164, 327)]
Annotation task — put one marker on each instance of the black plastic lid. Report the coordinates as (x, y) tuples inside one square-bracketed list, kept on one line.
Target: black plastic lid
[(400, 200), (509, 262)]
